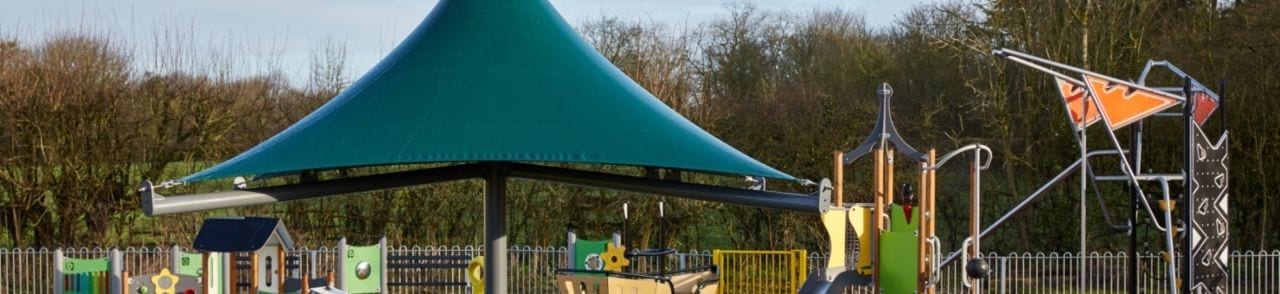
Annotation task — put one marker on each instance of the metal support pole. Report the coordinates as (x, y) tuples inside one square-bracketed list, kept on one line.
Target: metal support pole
[(1222, 105), (495, 231), (1168, 237), (342, 262), (1084, 186), (1188, 199), (1135, 139)]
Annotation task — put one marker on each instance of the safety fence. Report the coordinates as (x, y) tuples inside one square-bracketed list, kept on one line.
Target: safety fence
[(750, 271), (532, 269)]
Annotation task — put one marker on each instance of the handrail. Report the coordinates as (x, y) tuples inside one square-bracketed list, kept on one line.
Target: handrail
[(962, 150), (964, 254), (1070, 169)]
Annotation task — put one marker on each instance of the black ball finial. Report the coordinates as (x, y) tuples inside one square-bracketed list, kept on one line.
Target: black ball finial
[(978, 268)]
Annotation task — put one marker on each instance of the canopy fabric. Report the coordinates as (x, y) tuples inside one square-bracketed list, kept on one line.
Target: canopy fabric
[(492, 80)]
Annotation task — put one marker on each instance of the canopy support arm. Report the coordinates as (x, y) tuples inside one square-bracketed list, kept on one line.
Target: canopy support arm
[(816, 203), (154, 204)]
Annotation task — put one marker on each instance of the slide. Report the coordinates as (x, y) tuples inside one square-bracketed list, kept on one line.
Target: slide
[(815, 284)]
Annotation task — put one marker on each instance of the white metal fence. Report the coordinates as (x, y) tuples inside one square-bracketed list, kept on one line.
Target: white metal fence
[(532, 270)]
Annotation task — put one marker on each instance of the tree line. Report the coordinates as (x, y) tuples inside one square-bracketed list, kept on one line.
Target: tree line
[(81, 124)]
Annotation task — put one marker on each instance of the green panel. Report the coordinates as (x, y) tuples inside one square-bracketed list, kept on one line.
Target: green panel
[(899, 253), (76, 265), (485, 81), (588, 252), (86, 283), (190, 264), (353, 257)]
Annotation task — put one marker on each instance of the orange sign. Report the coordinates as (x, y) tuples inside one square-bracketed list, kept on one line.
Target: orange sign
[(1074, 95), (1205, 105), (1124, 104)]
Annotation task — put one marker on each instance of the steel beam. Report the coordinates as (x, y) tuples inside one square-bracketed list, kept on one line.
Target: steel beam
[(815, 203), (154, 204)]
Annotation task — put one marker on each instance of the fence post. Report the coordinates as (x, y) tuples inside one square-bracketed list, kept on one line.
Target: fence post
[(342, 260), (1004, 274), (717, 259), (117, 271), (58, 259), (311, 262), (383, 272), (175, 258)]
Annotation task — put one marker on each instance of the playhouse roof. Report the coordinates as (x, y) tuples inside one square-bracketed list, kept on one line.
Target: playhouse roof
[(241, 234), (492, 81)]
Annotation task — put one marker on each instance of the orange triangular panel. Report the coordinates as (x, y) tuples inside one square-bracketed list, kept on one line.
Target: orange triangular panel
[(1124, 104), (1074, 96), (1205, 105)]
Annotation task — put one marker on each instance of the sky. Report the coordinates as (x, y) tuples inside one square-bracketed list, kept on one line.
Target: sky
[(284, 34)]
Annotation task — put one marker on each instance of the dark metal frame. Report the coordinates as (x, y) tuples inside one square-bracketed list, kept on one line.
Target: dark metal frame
[(1131, 163)]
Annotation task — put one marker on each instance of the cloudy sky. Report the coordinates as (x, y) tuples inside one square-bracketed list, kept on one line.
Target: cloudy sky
[(283, 33)]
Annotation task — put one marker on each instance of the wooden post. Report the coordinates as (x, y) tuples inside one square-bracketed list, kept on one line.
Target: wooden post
[(204, 272), (928, 217), (253, 273), (876, 222), (233, 275), (331, 279), (280, 264), (306, 284), (839, 178), (124, 282), (933, 193), (888, 176), (974, 230)]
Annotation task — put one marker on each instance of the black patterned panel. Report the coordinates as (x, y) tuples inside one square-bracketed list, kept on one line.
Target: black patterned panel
[(1209, 230)]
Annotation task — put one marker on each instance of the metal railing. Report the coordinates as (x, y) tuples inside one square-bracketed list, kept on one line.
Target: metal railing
[(749, 271), (30, 270)]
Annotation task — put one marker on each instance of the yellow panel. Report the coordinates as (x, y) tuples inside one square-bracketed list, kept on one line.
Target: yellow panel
[(861, 220), (836, 221)]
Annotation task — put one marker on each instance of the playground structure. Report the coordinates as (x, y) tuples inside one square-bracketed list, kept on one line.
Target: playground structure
[(493, 133), (602, 266), (1197, 261), (366, 269), (92, 275), (897, 250), (256, 244), (106, 275)]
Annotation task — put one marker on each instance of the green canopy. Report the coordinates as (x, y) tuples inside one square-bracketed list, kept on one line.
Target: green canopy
[(486, 81)]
